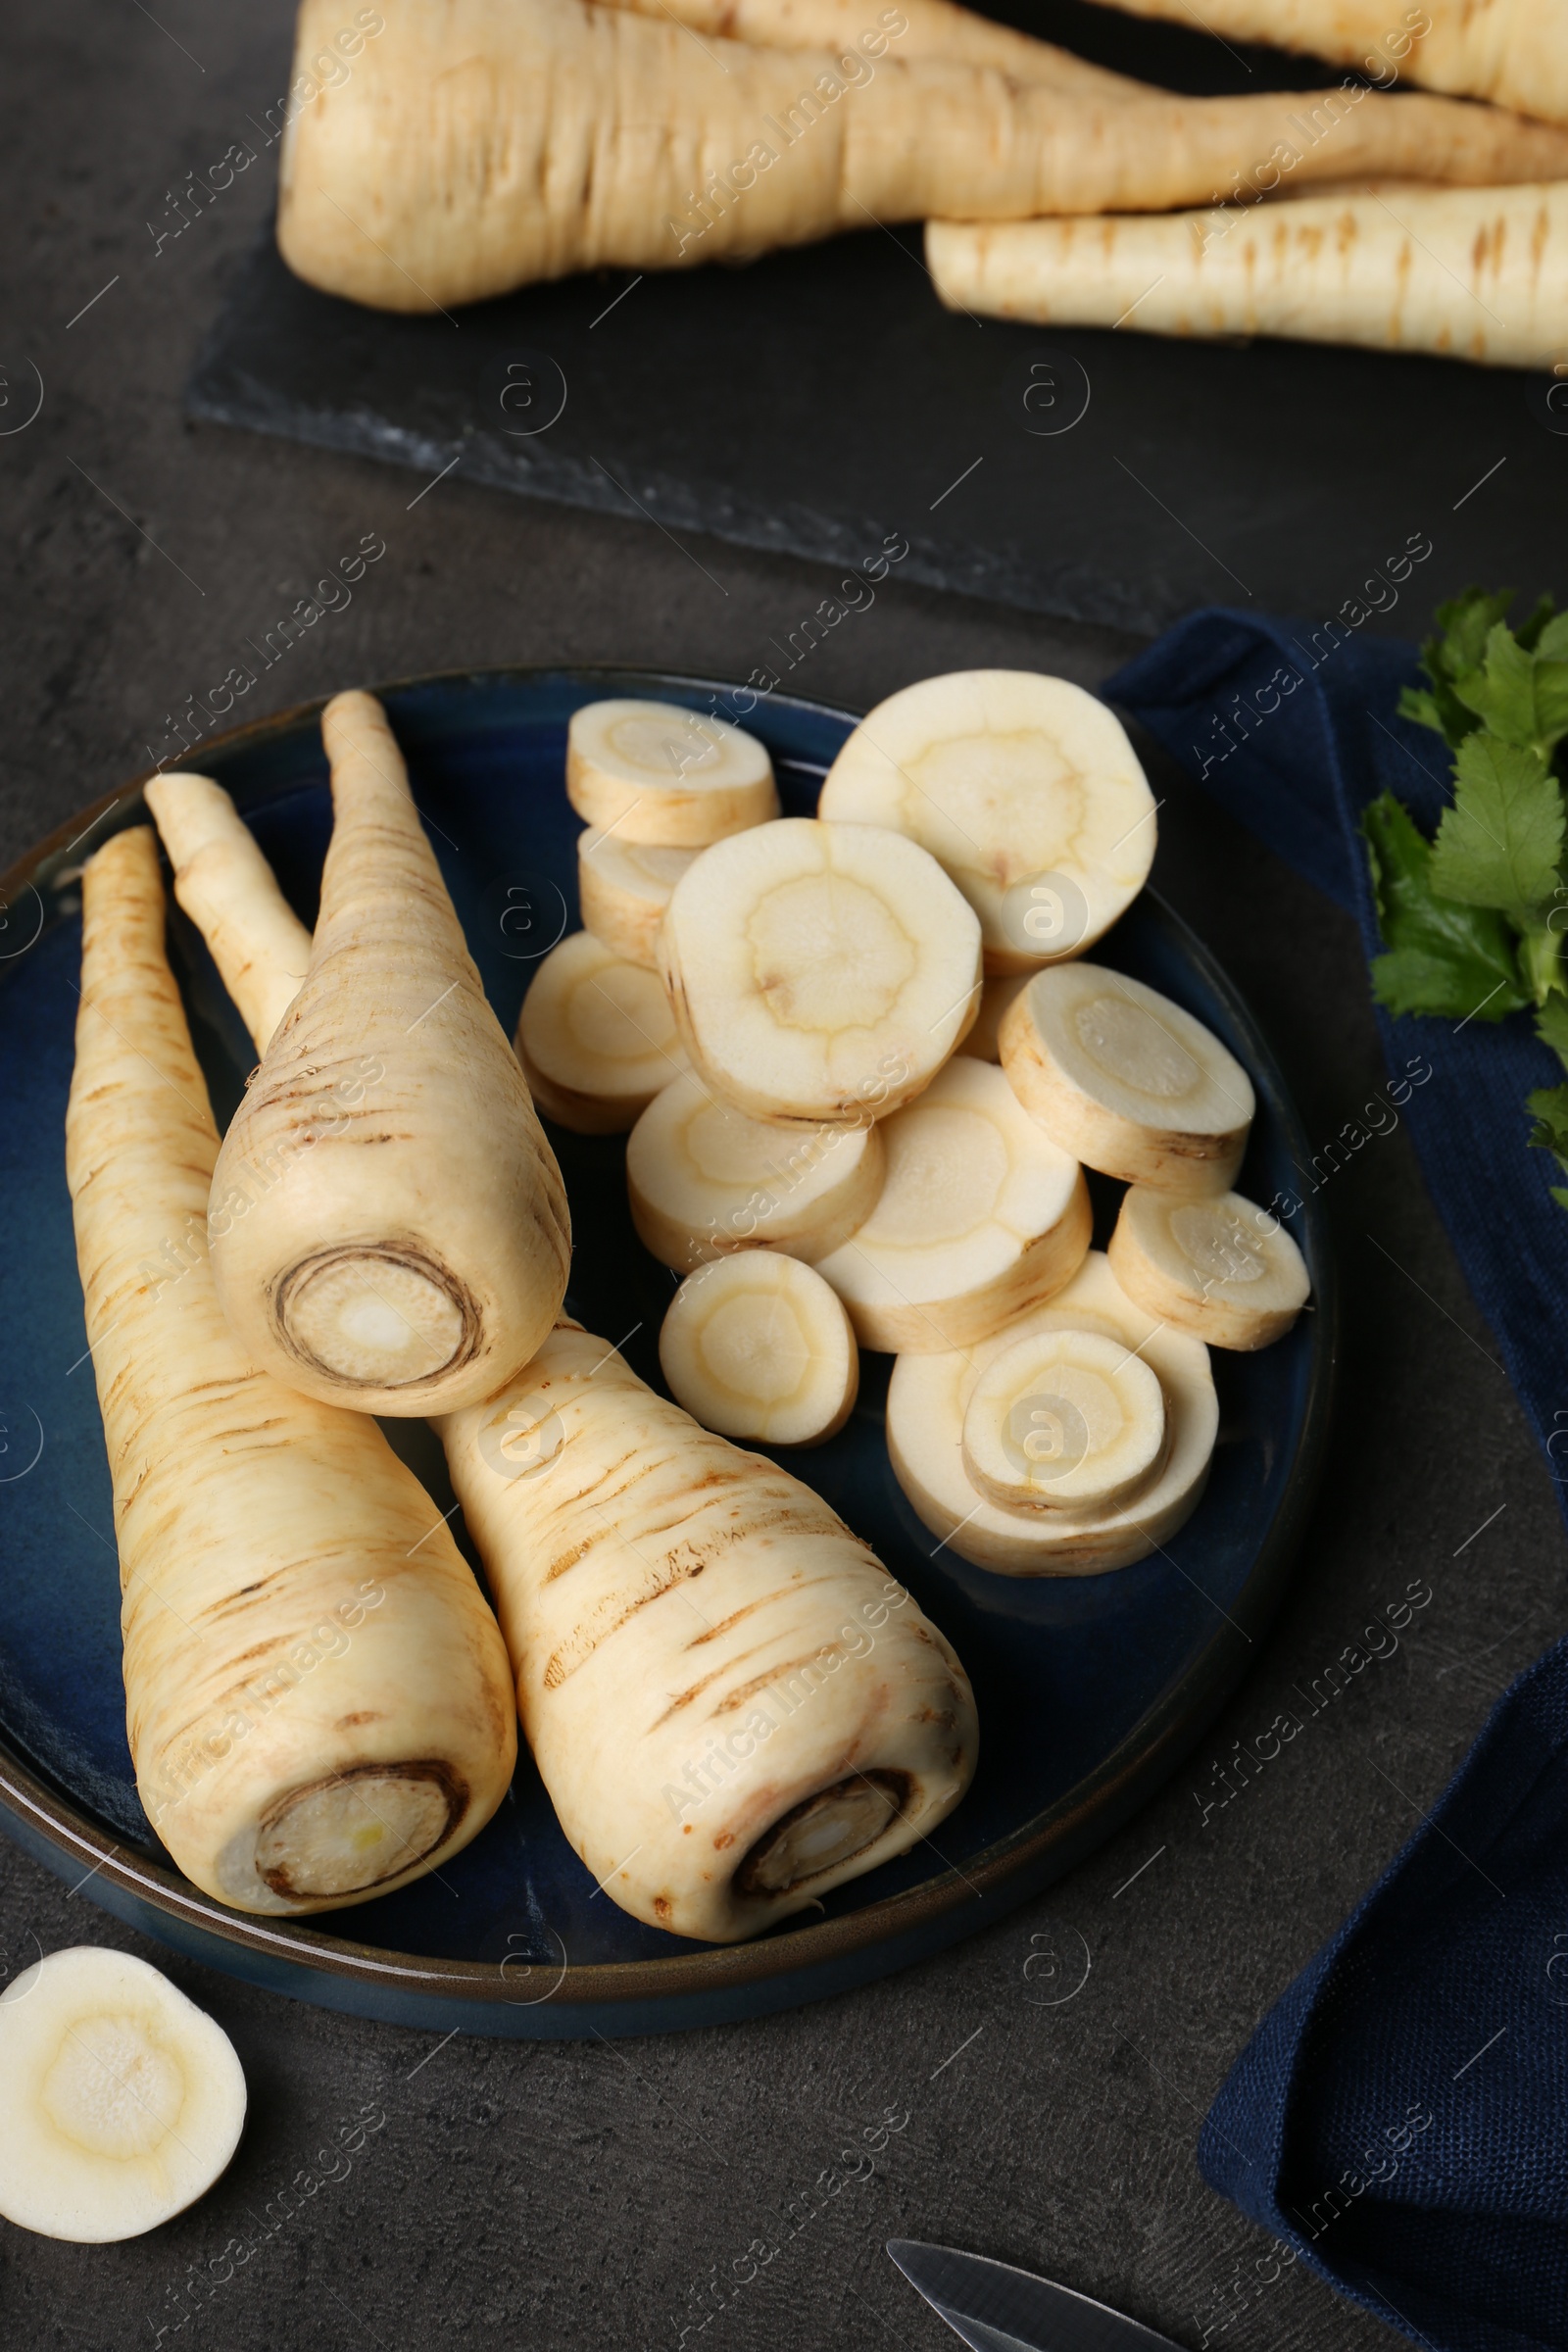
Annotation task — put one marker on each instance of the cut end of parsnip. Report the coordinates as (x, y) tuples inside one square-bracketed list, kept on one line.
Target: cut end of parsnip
[(1225, 1270), (596, 1037), (1027, 791), (623, 888), (1128, 1081), (819, 972), (704, 1179), (121, 2101), (981, 1216), (343, 1835), (659, 774), (828, 1830), (1064, 1421), (757, 1346), (377, 1317)]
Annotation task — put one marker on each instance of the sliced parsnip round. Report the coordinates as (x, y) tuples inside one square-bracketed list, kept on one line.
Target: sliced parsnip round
[(1225, 1270), (819, 972), (927, 1400), (596, 1037), (983, 1040), (623, 888), (662, 775), (1064, 1421), (980, 1216), (757, 1346), (1025, 788), (121, 2101), (1127, 1080), (704, 1179)]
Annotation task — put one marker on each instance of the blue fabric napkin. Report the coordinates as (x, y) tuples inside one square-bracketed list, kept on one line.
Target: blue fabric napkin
[(1401, 2118)]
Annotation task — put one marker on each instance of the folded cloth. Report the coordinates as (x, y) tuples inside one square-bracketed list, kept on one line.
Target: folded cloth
[(1400, 2117)]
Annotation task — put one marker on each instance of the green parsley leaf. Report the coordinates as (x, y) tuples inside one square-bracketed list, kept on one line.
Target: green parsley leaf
[(1443, 956), (1458, 651), (1521, 697), (1552, 1026), (1549, 1107), (1500, 843)]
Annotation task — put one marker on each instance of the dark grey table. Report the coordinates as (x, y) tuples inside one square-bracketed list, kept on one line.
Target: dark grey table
[(558, 2195)]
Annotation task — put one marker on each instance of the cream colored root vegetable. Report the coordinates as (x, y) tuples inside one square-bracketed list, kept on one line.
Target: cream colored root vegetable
[(1027, 791), (659, 774), (315, 1694), (623, 888), (981, 1216), (1225, 1270), (704, 1179), (819, 973), (928, 1401), (758, 1347), (732, 1704), (596, 1037), (121, 2101), (984, 1039), (1064, 1421), (478, 145), (1118, 1074), (226, 886), (1475, 274), (389, 1227)]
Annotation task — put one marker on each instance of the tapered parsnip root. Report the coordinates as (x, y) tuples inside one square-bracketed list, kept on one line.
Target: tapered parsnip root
[(704, 1179), (1124, 1078), (623, 888), (981, 1216), (596, 1037), (758, 1347), (1027, 791), (659, 774), (819, 973), (1225, 1270), (928, 1400), (121, 2101), (1479, 274), (389, 1227), (316, 1693), (226, 887), (478, 145), (1064, 1421), (732, 1704)]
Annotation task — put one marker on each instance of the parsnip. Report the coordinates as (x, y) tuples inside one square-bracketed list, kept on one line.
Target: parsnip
[(226, 886), (1225, 1270), (984, 1039), (981, 1216), (758, 1347), (121, 2101), (1064, 1421), (704, 1179), (733, 1706), (1027, 791), (928, 1396), (595, 1036), (659, 774), (819, 972), (389, 1227), (479, 145), (316, 1693), (1125, 1079), (1475, 274), (623, 888)]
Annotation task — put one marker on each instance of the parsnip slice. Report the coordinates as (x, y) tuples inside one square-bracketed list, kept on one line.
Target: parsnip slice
[(1024, 786), (983, 1040), (662, 774), (1127, 1080), (1225, 1270), (927, 1400), (623, 888), (819, 972), (121, 2101), (981, 1216), (1064, 1421), (595, 1036), (758, 1347)]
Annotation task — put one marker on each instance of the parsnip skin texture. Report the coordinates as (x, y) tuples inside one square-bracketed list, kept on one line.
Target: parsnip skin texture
[(226, 887), (296, 1619), (1475, 274), (480, 145), (389, 1224), (702, 1649)]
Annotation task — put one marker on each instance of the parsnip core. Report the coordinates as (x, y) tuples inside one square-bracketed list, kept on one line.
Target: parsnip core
[(340, 1836), (374, 1317), (823, 1831), (1132, 1045), (114, 2088), (829, 953)]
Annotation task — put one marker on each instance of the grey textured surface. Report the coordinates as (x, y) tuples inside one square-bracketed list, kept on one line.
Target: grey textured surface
[(620, 2196)]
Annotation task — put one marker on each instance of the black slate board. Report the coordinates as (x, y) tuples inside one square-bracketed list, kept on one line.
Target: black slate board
[(822, 402)]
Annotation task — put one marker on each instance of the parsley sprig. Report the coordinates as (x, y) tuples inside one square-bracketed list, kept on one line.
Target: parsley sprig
[(1474, 920)]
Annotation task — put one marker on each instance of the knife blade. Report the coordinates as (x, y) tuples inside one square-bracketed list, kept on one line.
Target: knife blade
[(995, 2308)]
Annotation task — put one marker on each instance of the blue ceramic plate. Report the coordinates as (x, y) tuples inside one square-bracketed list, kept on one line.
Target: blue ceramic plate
[(1090, 1690)]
